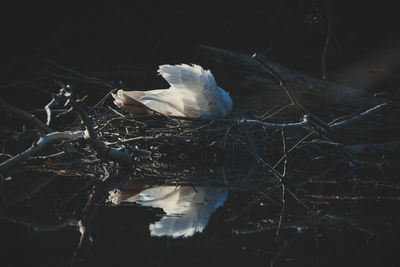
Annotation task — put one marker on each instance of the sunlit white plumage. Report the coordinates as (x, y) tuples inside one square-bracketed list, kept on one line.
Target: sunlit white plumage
[(193, 93)]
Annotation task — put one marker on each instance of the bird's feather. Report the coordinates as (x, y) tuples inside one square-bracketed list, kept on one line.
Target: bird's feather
[(193, 93)]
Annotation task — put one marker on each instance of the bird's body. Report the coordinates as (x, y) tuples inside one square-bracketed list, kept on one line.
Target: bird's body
[(193, 93)]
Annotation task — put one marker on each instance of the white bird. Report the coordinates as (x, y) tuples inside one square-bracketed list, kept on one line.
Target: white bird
[(194, 93)]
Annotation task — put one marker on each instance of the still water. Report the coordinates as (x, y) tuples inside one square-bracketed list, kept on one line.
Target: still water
[(229, 224), (187, 208)]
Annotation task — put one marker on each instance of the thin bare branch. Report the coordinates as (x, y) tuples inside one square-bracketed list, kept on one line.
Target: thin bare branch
[(21, 114), (40, 145)]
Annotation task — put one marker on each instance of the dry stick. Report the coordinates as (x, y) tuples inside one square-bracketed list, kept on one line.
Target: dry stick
[(115, 111), (303, 123), (279, 110), (86, 78), (152, 138), (48, 107), (341, 124), (293, 147), (258, 158), (125, 118), (353, 120), (359, 117), (101, 102), (40, 145), (106, 124), (318, 122), (356, 119), (21, 114), (119, 155), (300, 228), (297, 199), (56, 99), (36, 123), (265, 114), (200, 127), (99, 130)]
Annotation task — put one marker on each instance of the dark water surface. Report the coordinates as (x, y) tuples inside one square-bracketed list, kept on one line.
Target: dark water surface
[(224, 225)]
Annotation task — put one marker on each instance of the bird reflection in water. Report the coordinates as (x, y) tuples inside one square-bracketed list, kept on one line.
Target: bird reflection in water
[(188, 209)]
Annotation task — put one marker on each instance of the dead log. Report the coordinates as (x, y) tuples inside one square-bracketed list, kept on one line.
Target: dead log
[(309, 90)]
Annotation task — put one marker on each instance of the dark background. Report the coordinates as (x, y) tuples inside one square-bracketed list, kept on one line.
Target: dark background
[(127, 40)]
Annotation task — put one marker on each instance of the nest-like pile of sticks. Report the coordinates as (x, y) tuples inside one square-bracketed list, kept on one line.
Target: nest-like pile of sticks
[(103, 135)]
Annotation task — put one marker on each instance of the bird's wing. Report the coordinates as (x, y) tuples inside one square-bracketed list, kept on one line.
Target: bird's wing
[(130, 101), (140, 102), (196, 88)]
